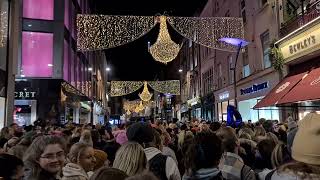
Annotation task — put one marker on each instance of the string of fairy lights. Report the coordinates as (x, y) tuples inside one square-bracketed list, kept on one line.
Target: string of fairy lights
[(3, 28), (121, 88), (96, 32)]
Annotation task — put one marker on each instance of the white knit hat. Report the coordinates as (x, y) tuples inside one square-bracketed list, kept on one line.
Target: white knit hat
[(306, 144)]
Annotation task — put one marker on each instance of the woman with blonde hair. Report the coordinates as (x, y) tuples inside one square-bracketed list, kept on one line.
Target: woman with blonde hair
[(45, 158), (130, 158), (81, 161)]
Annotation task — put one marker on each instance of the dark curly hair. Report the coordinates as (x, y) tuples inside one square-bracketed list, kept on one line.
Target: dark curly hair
[(204, 152)]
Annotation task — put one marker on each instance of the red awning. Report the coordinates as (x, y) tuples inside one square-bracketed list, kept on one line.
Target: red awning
[(307, 89), (277, 93)]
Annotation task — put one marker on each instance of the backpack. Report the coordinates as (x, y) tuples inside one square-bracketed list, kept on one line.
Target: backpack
[(157, 165), (244, 171)]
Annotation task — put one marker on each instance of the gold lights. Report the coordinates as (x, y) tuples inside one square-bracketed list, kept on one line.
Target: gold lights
[(164, 49), (207, 31), (96, 32), (145, 95), (121, 88), (166, 87), (3, 28)]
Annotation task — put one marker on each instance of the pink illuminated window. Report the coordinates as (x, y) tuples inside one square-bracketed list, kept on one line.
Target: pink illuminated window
[(66, 62), (72, 68), (35, 9), (37, 54)]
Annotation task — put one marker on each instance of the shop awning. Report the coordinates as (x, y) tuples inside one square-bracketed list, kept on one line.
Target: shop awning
[(307, 89), (277, 93)]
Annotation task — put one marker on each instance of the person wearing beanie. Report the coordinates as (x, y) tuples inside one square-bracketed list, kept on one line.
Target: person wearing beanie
[(101, 159), (305, 152), (164, 167)]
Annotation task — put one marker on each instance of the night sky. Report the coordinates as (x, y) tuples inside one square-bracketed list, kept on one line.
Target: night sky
[(132, 61)]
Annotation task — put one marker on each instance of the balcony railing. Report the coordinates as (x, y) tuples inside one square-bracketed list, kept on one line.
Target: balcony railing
[(301, 19)]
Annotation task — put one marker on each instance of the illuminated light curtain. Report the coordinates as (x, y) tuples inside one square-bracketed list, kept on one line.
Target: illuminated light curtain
[(207, 31), (3, 28), (166, 87), (145, 95), (96, 32), (164, 49), (121, 88)]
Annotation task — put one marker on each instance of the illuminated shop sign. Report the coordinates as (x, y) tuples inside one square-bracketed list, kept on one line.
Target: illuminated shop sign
[(24, 95), (224, 95), (254, 88)]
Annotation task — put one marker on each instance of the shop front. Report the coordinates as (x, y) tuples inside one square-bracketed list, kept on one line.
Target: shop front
[(251, 92), (298, 93), (195, 104), (223, 98)]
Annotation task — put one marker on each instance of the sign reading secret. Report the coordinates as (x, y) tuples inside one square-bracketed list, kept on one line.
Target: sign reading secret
[(24, 95), (254, 88)]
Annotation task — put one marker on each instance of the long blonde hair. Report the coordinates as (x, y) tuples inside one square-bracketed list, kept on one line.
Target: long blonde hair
[(130, 158), (76, 151)]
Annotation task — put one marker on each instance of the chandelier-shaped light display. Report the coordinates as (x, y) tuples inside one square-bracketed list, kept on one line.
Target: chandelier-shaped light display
[(164, 49), (145, 95), (120, 88)]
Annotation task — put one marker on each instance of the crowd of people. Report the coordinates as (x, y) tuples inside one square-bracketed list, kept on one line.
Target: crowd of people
[(157, 150)]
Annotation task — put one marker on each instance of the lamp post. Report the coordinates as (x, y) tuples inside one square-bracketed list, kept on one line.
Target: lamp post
[(240, 43)]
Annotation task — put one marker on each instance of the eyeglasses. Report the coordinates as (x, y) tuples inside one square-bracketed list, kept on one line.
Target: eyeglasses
[(59, 155)]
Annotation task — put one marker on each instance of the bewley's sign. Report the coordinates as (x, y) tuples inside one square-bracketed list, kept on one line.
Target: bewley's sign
[(254, 88), (24, 95), (302, 42)]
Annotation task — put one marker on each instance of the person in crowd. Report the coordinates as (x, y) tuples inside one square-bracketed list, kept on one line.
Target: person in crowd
[(280, 155), (5, 133), (146, 175), (305, 152), (106, 173), (19, 149), (259, 133), (292, 130), (11, 167), (97, 141), (86, 138), (202, 157), (272, 137), (111, 148), (120, 135), (101, 159), (130, 158), (45, 158), (162, 166), (81, 161), (263, 155), (248, 155), (214, 126), (231, 165)]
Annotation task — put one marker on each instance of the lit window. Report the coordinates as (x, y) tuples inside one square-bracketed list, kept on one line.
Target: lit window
[(38, 9), (265, 41), (37, 51)]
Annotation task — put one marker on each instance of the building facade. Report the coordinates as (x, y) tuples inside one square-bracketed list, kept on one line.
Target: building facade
[(54, 81)]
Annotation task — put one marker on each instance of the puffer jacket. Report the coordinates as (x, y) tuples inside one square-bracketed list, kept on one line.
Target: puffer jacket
[(74, 172)]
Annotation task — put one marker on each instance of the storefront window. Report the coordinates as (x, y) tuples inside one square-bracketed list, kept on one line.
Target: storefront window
[(25, 112), (35, 9), (247, 113), (222, 109), (37, 51)]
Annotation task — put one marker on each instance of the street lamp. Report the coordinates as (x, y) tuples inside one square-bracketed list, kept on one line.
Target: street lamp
[(180, 70), (108, 69), (240, 43)]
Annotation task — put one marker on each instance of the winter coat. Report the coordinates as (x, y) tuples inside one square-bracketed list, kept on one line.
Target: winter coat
[(74, 172)]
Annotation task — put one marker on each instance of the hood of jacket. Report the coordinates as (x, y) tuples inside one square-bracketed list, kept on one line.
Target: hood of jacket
[(72, 169)]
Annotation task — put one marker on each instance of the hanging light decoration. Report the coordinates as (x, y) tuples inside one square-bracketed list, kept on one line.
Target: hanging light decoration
[(145, 95), (164, 49)]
